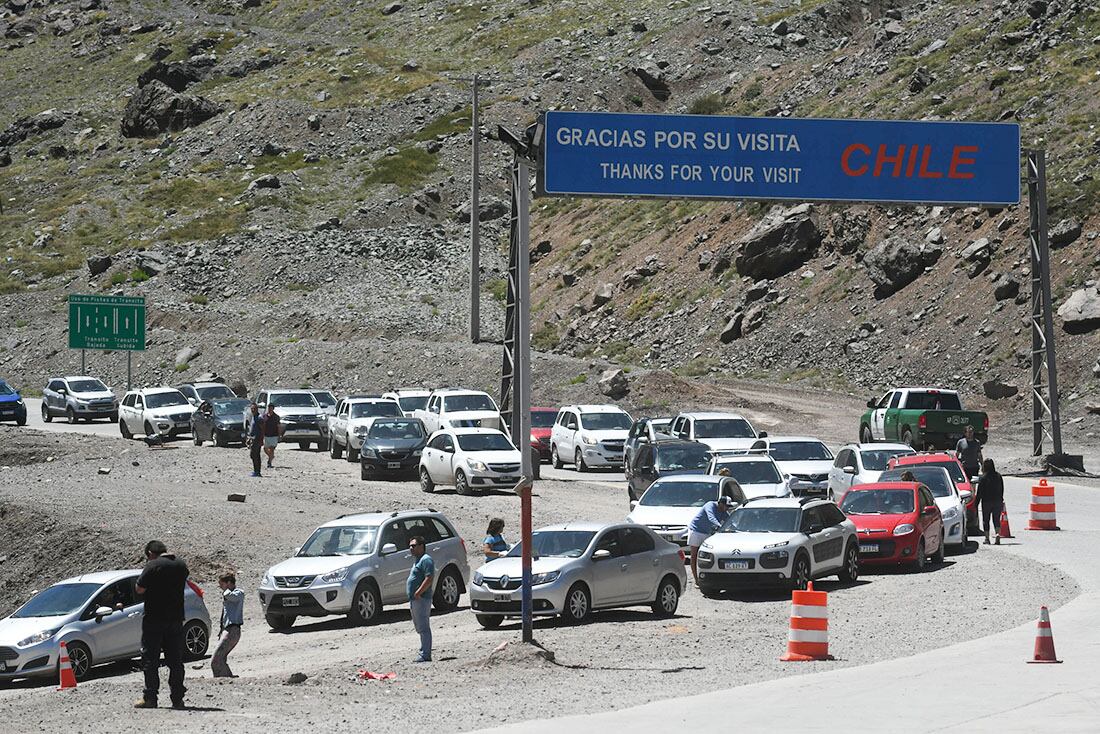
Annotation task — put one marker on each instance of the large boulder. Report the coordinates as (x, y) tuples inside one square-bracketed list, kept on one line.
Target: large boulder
[(998, 390), (156, 108), (653, 77), (732, 330), (781, 243), (25, 127), (487, 210), (896, 262), (152, 263), (603, 294), (1005, 287), (613, 384), (186, 355), (177, 75), (98, 264), (1064, 233), (1080, 313)]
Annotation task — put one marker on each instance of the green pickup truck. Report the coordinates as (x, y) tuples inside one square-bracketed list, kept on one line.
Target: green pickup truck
[(922, 417)]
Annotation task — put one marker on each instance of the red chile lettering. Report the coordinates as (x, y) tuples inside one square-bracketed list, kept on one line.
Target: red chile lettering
[(958, 160), (846, 157)]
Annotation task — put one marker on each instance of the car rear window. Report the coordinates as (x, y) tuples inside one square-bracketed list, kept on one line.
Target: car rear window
[(918, 400), (953, 468)]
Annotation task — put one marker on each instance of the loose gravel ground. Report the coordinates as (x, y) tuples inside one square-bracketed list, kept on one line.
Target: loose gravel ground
[(622, 658)]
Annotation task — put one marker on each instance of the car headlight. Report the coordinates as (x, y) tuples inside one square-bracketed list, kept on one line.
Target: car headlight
[(775, 556), (951, 514), (777, 545), (219, 424), (367, 452), (477, 465), (904, 529), (266, 580), (417, 452), (589, 440), (360, 430), (336, 576), (19, 401), (37, 637), (478, 578), (706, 559), (545, 578)]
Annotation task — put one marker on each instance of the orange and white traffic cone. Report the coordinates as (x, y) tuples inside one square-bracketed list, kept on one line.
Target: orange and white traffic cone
[(1006, 531), (1044, 640), (1043, 513), (808, 638), (68, 678)]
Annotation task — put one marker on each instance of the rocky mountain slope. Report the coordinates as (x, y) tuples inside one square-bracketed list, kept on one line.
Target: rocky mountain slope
[(287, 182)]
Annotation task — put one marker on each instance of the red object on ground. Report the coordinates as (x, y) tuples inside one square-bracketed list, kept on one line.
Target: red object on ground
[(371, 675), (1044, 640), (808, 638), (540, 435), (1044, 515), (68, 678), (1006, 530)]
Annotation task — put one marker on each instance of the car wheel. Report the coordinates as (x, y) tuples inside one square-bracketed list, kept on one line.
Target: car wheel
[(363, 473), (941, 552), (462, 484), (279, 621), (426, 483), (220, 441), (46, 417), (578, 462), (490, 621), (668, 598), (800, 574), (352, 454), (114, 417), (303, 445), (366, 605), (334, 449), (23, 421), (921, 559), (850, 571), (196, 438), (578, 605), (907, 438), (196, 639), (865, 435), (124, 430), (70, 416), (80, 658), (447, 592), (148, 429), (555, 460)]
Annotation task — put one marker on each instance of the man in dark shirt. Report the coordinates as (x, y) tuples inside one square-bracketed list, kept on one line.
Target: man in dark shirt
[(162, 584), (969, 452), (255, 437)]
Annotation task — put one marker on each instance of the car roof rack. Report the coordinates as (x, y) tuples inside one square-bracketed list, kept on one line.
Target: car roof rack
[(395, 513), (359, 512)]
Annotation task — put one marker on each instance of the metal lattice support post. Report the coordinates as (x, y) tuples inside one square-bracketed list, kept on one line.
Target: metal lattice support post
[(1044, 370), (508, 365), (475, 220)]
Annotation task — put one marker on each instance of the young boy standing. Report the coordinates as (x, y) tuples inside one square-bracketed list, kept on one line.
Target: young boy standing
[(231, 621)]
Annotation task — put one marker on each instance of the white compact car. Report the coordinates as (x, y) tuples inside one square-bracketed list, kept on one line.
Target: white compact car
[(776, 541), (154, 411), (860, 463), (756, 472), (459, 409), (579, 567), (944, 489), (302, 418), (352, 421), (589, 436), (410, 399), (470, 459), (805, 461), (355, 564), (719, 431), (670, 503), (78, 397)]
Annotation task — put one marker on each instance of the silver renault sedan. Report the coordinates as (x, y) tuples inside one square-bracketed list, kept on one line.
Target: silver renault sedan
[(97, 616), (580, 567)]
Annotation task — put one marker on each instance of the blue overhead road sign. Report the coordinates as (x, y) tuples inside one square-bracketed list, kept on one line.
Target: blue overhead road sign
[(717, 157)]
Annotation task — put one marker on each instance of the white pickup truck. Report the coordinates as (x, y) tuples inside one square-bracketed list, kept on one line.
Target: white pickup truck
[(350, 423), (454, 408)]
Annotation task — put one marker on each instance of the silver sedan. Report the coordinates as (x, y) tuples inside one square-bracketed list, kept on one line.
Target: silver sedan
[(581, 567)]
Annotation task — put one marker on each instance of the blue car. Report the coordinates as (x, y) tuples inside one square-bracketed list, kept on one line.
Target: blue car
[(12, 407)]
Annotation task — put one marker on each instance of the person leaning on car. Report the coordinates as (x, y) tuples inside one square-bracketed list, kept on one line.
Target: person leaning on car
[(161, 583), (705, 523)]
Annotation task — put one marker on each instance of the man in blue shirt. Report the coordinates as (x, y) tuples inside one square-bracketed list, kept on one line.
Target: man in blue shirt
[(705, 523), (231, 621), (419, 587)]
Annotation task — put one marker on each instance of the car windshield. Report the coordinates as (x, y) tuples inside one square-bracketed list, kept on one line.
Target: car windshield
[(485, 442), (932, 401), (396, 430), (293, 400), (57, 600), (381, 409), (876, 459), (679, 494), (410, 404), (878, 501), (800, 451), (543, 418), (556, 543), (463, 403), (214, 392), (751, 472), (606, 421), (235, 407), (341, 541), (723, 428), (324, 398), (86, 386), (936, 478), (6, 389), (953, 468), (762, 520), (165, 399), (683, 458)]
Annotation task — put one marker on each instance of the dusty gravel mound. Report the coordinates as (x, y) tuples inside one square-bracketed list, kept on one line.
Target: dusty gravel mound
[(517, 654)]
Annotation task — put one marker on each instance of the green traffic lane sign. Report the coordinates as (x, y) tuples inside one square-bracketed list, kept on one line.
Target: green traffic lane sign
[(107, 322)]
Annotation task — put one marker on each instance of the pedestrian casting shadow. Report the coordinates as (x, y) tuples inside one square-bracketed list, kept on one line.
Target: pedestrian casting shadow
[(905, 569), (781, 593), (329, 624), (968, 546), (612, 616)]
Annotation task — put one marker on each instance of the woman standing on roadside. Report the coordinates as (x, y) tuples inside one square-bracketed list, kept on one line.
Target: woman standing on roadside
[(495, 544), (991, 495)]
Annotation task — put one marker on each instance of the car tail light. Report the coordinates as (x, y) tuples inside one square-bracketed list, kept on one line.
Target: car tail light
[(195, 588), (922, 421), (683, 556), (460, 540), (985, 423)]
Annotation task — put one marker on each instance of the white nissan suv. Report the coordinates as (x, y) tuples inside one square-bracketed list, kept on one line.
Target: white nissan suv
[(779, 540), (589, 436), (355, 564)]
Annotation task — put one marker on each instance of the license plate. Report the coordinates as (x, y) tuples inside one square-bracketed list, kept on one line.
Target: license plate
[(290, 601), (510, 480), (735, 565), (868, 547), (502, 597), (182, 424), (3, 667), (393, 464)]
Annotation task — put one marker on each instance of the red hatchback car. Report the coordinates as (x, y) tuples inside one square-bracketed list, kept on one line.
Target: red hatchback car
[(542, 420), (896, 522), (955, 468)]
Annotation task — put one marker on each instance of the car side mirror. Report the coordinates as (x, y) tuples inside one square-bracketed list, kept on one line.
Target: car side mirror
[(633, 505), (601, 554), (296, 551), (974, 480), (102, 612), (871, 403), (929, 510), (965, 496), (389, 548), (849, 470), (762, 434), (815, 528), (61, 391)]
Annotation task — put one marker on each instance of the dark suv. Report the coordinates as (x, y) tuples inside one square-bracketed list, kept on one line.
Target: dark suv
[(392, 446), (662, 458)]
